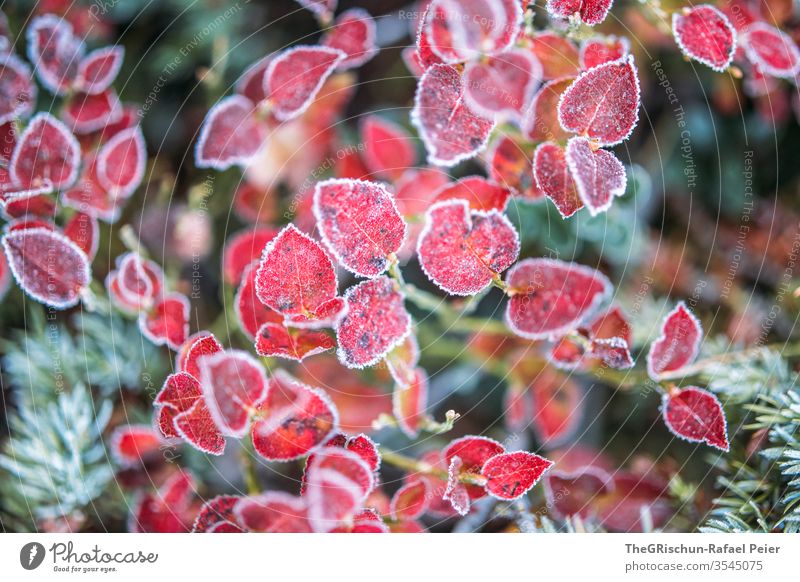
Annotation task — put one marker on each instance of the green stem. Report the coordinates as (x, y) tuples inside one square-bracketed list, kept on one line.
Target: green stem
[(414, 466)]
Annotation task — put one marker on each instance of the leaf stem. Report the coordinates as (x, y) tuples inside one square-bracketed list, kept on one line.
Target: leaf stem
[(414, 466)]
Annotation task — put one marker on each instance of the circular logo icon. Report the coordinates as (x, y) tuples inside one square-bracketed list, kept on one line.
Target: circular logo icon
[(31, 555)]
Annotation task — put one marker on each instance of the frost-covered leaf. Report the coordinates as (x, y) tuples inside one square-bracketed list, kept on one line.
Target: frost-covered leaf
[(696, 415), (706, 35), (598, 175), (677, 345), (511, 475)]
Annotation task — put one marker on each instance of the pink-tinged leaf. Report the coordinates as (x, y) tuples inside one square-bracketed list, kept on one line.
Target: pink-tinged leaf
[(603, 103), (541, 122), (327, 314), (179, 393), (574, 493), (198, 345), (591, 12), (242, 248), (502, 86), (121, 162), (456, 492), (480, 193), (84, 231), (376, 321), (706, 35), (771, 50), (234, 384), (293, 421), (696, 415), (217, 516), (517, 407), (450, 130), (48, 266), (612, 323), (598, 175), (230, 135), (361, 445), (17, 90), (553, 177), (677, 345), (603, 49), (613, 352), (251, 83), (549, 298), (273, 512), (295, 275), (55, 52), (353, 33), (567, 354), (367, 525), (416, 189), (274, 340), (512, 475), (388, 149), (323, 9), (90, 197), (46, 152), (85, 113), (250, 312), (134, 444), (98, 69), (463, 251), (623, 508), (140, 281), (360, 224), (167, 323), (29, 203), (29, 222), (294, 78), (403, 359), (412, 61), (425, 56), (473, 452), (196, 426), (511, 165), (558, 404), (164, 511), (410, 401), (463, 30), (557, 54), (338, 483), (8, 141), (411, 500)]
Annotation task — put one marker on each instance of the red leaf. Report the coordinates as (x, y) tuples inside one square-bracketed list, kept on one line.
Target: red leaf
[(550, 298), (402, 360), (613, 352), (361, 445), (456, 492), (450, 130), (473, 452), (138, 282), (633, 496), (180, 392), (388, 149), (48, 266), (463, 252), (54, 51), (164, 511), (771, 50), (376, 321), (502, 86), (217, 516), (85, 113), (574, 493), (294, 78), (295, 276), (200, 344), (338, 483), (293, 421), (511, 165), (557, 54), (98, 69), (411, 500), (250, 312), (274, 340), (89, 197), (558, 404), (599, 176), (324, 9), (230, 135), (273, 512), (541, 122), (17, 88), (511, 475), (480, 193), (359, 223), (696, 415), (416, 189), (242, 248), (46, 152), (234, 384), (121, 162), (462, 30), (251, 83), (677, 345), (167, 323), (425, 56), (591, 12), (603, 103), (706, 35), (353, 33), (554, 178), (198, 428), (409, 402), (603, 49), (84, 231), (327, 315), (134, 444)]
